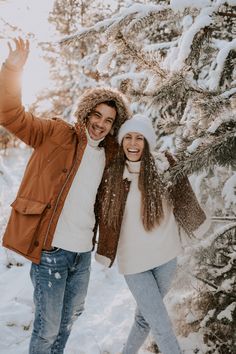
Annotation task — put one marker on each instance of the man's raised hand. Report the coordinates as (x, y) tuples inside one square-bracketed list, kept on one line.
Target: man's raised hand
[(18, 56)]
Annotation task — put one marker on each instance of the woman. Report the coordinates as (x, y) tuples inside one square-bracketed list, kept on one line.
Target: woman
[(140, 221)]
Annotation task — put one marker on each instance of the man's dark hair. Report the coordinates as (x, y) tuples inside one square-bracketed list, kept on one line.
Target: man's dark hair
[(111, 103)]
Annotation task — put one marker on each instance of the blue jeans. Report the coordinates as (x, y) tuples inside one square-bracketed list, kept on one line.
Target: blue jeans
[(148, 289), (60, 286)]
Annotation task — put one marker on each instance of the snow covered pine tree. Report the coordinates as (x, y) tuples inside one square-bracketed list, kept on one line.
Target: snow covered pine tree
[(176, 59)]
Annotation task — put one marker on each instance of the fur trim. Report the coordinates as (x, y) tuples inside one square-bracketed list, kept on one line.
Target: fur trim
[(94, 96)]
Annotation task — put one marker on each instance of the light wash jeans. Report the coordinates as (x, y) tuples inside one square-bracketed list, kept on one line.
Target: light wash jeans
[(60, 286), (148, 289)]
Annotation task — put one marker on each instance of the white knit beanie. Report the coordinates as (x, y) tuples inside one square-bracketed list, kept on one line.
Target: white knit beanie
[(139, 124)]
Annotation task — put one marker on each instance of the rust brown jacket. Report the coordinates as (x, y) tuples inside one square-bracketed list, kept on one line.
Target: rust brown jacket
[(58, 151), (187, 211)]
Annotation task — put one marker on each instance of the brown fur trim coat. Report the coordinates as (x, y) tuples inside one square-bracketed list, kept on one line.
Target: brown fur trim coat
[(58, 149)]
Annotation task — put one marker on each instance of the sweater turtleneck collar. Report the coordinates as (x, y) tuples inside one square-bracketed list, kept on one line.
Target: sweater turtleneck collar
[(91, 142), (132, 169)]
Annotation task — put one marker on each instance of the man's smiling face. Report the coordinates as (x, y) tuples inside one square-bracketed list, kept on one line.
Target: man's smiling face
[(100, 121)]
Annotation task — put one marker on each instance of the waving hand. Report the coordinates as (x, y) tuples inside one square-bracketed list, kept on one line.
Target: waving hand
[(18, 56)]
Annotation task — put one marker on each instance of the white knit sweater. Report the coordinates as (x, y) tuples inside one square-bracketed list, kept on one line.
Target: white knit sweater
[(138, 249), (74, 231)]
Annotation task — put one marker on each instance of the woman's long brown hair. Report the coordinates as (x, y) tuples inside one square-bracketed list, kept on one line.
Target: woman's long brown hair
[(150, 185)]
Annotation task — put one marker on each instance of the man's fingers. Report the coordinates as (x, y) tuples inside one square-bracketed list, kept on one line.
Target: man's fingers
[(24, 45), (21, 42), (18, 55), (10, 47), (27, 44), (17, 44), (20, 45)]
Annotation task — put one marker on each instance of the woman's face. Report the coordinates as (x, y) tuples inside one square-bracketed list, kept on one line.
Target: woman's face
[(133, 145)]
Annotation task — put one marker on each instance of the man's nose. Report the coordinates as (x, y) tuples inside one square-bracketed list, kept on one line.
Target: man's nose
[(101, 123)]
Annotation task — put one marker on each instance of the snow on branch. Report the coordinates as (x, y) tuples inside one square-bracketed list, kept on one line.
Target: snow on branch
[(175, 87), (229, 191), (216, 150), (216, 73), (124, 17), (133, 51), (203, 20), (210, 104)]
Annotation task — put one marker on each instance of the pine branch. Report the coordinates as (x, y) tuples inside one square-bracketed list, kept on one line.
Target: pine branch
[(197, 45), (84, 33), (229, 66), (144, 21), (220, 150), (112, 26), (135, 53), (210, 104), (223, 218), (206, 282), (213, 265), (175, 87), (122, 22), (226, 14)]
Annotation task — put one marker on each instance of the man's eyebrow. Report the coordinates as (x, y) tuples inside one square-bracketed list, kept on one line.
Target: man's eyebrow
[(95, 111)]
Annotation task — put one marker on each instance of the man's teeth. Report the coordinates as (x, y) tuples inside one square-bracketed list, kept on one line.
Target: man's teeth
[(98, 130)]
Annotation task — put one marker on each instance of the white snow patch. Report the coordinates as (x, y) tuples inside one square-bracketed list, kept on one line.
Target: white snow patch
[(229, 191), (227, 313), (181, 5)]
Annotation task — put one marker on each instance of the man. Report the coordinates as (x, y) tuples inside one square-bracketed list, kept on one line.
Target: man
[(52, 218)]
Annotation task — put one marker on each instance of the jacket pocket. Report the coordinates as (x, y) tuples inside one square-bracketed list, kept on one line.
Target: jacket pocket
[(24, 223), (28, 207)]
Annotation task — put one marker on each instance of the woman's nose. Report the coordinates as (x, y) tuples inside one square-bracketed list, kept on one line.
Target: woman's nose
[(133, 142)]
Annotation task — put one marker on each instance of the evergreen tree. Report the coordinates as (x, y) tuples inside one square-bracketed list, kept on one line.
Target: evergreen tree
[(182, 73)]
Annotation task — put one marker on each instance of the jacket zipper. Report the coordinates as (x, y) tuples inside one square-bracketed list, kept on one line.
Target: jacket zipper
[(58, 199)]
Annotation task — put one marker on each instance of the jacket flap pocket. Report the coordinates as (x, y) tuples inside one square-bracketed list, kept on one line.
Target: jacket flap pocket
[(28, 207)]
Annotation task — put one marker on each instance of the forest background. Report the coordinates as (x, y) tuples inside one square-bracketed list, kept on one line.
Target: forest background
[(175, 61)]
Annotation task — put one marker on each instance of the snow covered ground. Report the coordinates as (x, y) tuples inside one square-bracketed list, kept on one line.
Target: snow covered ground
[(103, 327)]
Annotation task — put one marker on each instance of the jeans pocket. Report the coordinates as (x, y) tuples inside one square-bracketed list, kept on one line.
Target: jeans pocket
[(53, 251)]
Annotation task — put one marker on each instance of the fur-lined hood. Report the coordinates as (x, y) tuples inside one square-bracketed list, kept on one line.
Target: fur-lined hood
[(94, 96)]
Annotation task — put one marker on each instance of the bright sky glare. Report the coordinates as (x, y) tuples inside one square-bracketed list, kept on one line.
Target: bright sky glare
[(30, 16)]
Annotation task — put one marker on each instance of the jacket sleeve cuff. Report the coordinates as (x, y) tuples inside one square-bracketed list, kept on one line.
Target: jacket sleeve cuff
[(103, 260), (203, 228), (187, 241)]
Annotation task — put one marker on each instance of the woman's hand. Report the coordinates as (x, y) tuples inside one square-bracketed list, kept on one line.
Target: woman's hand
[(18, 56)]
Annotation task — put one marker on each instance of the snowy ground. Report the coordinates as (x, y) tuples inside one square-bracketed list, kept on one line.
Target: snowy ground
[(103, 327)]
